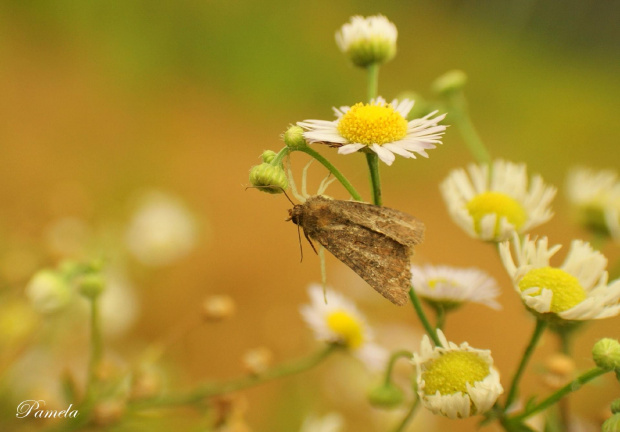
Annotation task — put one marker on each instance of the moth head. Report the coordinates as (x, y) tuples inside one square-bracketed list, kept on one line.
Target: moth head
[(295, 214)]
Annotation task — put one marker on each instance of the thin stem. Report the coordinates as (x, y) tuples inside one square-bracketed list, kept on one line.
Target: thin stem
[(403, 424), (460, 118), (375, 179), (555, 397), (280, 156), (209, 390), (529, 350), (373, 81), (393, 358), (440, 317), (415, 301), (327, 164), (96, 350)]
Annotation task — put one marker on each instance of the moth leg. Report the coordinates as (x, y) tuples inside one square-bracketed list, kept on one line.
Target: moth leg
[(291, 181), (304, 179), (301, 249), (310, 241), (325, 183)]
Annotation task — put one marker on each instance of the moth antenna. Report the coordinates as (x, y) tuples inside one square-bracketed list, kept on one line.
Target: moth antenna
[(310, 241), (304, 179), (325, 183), (291, 181), (323, 272), (301, 249), (272, 186)]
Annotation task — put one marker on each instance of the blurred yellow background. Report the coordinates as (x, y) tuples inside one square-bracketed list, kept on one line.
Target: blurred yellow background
[(100, 101)]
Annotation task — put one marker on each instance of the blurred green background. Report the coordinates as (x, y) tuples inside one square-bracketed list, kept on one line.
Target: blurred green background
[(99, 100)]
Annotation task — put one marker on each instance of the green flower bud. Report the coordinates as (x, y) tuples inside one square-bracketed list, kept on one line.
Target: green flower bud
[(48, 291), (449, 83), (612, 424), (366, 41), (91, 285), (294, 137), (268, 156), (606, 354), (268, 178), (386, 396), (615, 406)]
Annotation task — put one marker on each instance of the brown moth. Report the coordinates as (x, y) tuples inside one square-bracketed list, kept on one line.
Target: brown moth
[(375, 242)]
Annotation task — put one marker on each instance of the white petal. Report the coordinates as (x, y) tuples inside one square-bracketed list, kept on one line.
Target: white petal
[(350, 148), (384, 154)]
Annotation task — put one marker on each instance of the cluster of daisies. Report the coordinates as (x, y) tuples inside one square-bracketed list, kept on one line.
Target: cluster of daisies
[(494, 202)]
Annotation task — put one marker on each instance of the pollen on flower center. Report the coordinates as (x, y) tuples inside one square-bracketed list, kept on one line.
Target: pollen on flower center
[(567, 291), (500, 204), (372, 124), (451, 372), (347, 327)]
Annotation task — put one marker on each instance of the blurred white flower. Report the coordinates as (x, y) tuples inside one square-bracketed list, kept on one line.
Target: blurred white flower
[(340, 322), (48, 291), (490, 203), (332, 422), (118, 302), (161, 231)]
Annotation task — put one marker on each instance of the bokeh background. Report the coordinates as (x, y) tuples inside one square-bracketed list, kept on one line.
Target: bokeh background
[(101, 101)]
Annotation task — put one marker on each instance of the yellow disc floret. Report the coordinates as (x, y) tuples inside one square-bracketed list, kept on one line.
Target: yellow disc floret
[(372, 124), (496, 203), (451, 372), (348, 328), (567, 291)]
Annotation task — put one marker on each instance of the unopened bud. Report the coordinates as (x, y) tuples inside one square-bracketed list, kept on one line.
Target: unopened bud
[(615, 406), (268, 156), (294, 137), (91, 285), (386, 396), (268, 178), (606, 354), (218, 308), (450, 83), (612, 424), (257, 360)]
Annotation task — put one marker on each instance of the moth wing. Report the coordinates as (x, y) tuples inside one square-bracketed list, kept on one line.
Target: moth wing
[(399, 226), (377, 258)]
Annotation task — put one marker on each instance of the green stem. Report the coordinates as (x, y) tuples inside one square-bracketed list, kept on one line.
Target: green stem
[(327, 164), (208, 390), (96, 350), (375, 179), (529, 350), (373, 81), (415, 301), (403, 424), (393, 358), (555, 397), (441, 317), (460, 118)]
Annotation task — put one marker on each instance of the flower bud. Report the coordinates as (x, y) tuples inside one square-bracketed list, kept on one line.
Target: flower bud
[(268, 178), (257, 360), (450, 83), (386, 396), (218, 308), (606, 354), (48, 291), (615, 406), (91, 285), (294, 137), (612, 424), (367, 41), (268, 156)]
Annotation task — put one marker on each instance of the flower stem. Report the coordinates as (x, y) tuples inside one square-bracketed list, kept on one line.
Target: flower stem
[(555, 397), (460, 118), (208, 390), (373, 81), (403, 424), (96, 350), (393, 358), (529, 350), (375, 179), (415, 301)]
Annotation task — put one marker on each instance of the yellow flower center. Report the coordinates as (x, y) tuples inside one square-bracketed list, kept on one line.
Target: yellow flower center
[(500, 204), (451, 372), (432, 283), (567, 291), (349, 329), (372, 124)]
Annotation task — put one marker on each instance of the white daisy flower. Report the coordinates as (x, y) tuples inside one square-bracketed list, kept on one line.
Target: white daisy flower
[(161, 231), (332, 422), (450, 286), (379, 127), (456, 381), (368, 40), (596, 194), (577, 290), (490, 203), (340, 322)]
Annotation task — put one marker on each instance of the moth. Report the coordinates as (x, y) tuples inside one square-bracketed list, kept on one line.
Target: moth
[(375, 242)]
